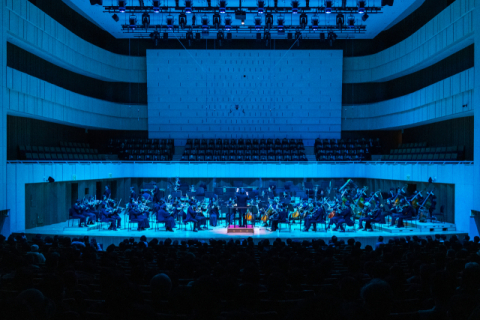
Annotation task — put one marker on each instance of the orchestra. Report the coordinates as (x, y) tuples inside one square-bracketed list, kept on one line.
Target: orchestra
[(334, 208)]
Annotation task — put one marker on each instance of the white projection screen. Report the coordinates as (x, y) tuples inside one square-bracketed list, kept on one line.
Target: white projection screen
[(244, 94)]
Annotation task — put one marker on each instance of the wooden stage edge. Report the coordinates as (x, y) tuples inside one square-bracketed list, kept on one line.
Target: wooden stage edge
[(107, 237)]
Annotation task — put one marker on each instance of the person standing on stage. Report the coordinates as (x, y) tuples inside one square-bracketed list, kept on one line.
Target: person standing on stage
[(133, 194), (214, 214), (242, 198), (156, 194), (107, 194)]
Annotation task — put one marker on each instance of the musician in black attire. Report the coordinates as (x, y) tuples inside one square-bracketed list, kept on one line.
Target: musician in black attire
[(279, 216), (105, 216), (191, 214), (156, 194), (242, 198), (76, 212), (133, 195), (107, 194), (370, 216), (406, 212), (433, 206), (214, 214), (136, 216), (345, 216), (164, 216), (318, 216)]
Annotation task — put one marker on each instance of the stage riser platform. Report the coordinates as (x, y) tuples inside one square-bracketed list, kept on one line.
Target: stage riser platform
[(415, 227), (107, 237)]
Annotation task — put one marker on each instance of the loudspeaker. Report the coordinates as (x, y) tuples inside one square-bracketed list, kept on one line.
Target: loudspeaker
[(115, 17), (50, 179)]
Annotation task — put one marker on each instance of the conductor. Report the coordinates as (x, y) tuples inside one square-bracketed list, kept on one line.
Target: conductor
[(242, 198)]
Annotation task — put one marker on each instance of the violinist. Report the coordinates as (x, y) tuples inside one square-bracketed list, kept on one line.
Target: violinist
[(76, 212), (370, 216), (279, 216), (404, 211), (191, 214), (201, 217), (90, 208), (136, 215), (318, 216), (87, 212), (345, 216), (105, 216), (163, 214)]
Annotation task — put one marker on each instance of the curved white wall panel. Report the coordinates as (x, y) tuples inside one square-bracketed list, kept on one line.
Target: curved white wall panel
[(446, 99), (18, 174), (36, 32), (447, 33), (31, 97)]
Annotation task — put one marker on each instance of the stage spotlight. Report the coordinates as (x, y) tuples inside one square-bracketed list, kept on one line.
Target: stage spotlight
[(351, 21), (115, 17), (188, 6), (322, 37), (155, 35), (365, 17), (294, 6), (220, 37), (258, 23), (182, 20), (146, 20), (260, 6), (228, 22), (222, 6), (269, 21), (361, 6), (94, 2), (331, 38), (387, 3), (216, 20), (189, 37), (340, 21), (315, 22), (259, 37), (170, 22), (132, 21), (328, 6), (156, 6), (303, 20), (267, 37), (122, 5), (280, 26)]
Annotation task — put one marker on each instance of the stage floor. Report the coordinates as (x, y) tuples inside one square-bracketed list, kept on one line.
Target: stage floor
[(107, 237)]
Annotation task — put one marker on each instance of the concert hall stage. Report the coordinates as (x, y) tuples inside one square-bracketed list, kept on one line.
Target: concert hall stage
[(107, 237)]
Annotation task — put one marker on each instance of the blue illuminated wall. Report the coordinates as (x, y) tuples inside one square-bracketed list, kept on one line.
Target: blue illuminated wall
[(195, 93)]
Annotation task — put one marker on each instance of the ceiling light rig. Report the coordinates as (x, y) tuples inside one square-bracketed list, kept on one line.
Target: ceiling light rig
[(349, 16)]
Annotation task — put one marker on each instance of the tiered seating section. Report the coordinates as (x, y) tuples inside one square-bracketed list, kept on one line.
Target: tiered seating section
[(244, 150), (67, 151), (142, 149), (420, 152), (346, 149)]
